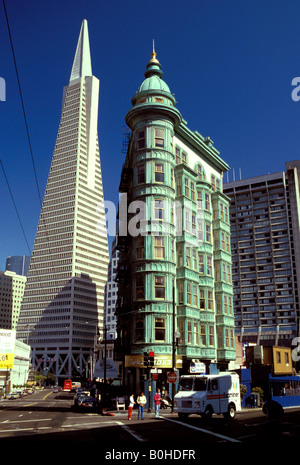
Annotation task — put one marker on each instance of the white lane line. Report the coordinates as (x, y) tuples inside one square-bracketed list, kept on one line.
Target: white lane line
[(24, 421), (78, 425), (221, 436), (135, 435), (16, 430)]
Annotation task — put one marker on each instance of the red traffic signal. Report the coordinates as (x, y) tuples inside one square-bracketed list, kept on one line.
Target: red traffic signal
[(151, 359)]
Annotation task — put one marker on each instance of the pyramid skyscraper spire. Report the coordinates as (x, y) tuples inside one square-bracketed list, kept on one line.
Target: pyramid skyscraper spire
[(82, 65), (62, 309)]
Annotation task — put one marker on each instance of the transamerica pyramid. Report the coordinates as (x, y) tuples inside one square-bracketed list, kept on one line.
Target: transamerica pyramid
[(62, 308)]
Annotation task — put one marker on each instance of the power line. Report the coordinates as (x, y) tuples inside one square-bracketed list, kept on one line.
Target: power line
[(22, 103), (12, 197)]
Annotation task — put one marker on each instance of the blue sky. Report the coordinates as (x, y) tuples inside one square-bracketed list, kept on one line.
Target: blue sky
[(229, 63)]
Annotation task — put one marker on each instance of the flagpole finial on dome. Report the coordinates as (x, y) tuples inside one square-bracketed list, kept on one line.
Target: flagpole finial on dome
[(153, 54)]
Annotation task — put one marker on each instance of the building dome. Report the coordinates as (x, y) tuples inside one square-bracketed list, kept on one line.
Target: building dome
[(153, 82), (153, 95)]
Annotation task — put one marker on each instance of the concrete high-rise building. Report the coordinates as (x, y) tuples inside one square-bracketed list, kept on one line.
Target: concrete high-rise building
[(265, 242), (12, 288), (18, 264), (111, 294), (62, 309), (174, 242)]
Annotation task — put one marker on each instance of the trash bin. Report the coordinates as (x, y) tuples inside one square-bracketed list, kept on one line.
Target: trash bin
[(255, 399)]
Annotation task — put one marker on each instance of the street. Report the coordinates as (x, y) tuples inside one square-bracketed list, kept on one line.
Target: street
[(46, 416)]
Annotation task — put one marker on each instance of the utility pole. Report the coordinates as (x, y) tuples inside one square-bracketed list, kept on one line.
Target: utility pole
[(104, 374)]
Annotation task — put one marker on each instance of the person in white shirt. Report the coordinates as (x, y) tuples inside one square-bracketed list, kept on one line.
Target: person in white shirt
[(130, 407), (141, 400)]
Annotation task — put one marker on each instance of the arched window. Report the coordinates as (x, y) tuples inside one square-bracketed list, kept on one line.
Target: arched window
[(200, 172)]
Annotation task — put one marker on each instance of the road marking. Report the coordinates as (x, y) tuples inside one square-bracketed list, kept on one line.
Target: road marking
[(78, 425), (135, 435), (15, 430), (221, 436), (24, 421), (49, 393)]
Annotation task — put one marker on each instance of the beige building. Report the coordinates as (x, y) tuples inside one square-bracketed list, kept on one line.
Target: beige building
[(12, 288)]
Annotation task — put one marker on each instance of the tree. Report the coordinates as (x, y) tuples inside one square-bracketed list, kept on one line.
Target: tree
[(243, 390)]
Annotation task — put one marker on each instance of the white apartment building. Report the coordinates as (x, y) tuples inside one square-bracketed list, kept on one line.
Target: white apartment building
[(111, 294), (265, 245)]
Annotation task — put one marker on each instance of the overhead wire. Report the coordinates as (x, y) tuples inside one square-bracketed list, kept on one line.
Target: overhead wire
[(22, 103), (30, 148), (13, 200)]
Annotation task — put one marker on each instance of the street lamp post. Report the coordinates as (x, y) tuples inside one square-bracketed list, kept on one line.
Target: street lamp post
[(104, 374), (173, 346)]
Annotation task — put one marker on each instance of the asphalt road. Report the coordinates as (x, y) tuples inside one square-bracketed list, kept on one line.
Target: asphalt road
[(45, 417)]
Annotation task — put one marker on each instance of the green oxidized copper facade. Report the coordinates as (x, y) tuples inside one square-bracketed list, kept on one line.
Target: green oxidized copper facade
[(172, 178)]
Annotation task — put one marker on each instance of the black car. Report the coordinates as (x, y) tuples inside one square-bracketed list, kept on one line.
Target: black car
[(87, 403)]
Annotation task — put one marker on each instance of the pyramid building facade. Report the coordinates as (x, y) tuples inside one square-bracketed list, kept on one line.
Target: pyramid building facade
[(62, 309)]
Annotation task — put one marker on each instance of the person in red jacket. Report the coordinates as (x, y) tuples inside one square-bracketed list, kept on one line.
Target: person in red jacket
[(157, 400)]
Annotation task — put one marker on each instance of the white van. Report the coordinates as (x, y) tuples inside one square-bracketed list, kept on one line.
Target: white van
[(207, 394)]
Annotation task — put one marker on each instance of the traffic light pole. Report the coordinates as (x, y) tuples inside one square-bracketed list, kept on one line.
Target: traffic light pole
[(173, 346), (149, 389)]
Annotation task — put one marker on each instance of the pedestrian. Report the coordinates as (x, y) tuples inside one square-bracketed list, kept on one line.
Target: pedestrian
[(141, 400), (130, 407), (157, 400)]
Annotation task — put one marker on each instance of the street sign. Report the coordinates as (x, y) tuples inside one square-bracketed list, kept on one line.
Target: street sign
[(172, 377)]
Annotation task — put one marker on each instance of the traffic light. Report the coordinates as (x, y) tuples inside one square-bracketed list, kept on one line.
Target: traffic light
[(151, 359), (146, 359)]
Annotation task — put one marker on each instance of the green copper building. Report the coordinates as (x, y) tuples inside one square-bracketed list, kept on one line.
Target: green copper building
[(174, 272)]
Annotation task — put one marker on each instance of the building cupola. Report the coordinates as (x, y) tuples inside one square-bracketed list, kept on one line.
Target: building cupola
[(153, 94)]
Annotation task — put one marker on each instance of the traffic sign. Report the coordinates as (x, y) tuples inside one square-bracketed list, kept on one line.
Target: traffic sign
[(172, 377)]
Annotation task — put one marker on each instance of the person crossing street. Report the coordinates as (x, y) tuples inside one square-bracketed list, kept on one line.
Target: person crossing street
[(141, 400)]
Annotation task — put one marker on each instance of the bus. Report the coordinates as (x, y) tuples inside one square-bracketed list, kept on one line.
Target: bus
[(75, 385), (283, 393), (67, 385)]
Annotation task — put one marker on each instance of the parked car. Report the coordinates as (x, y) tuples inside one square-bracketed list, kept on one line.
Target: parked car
[(12, 395), (80, 396), (87, 403)]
